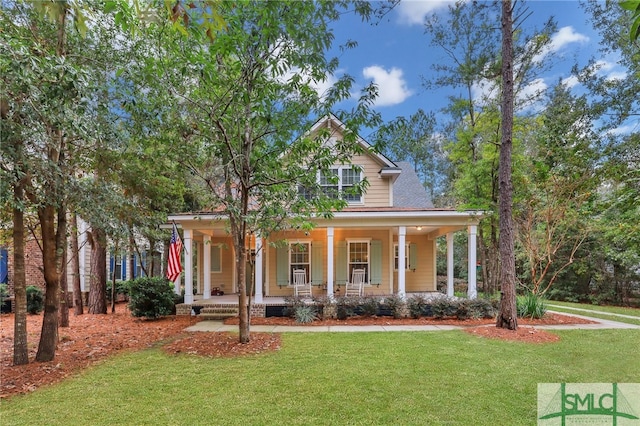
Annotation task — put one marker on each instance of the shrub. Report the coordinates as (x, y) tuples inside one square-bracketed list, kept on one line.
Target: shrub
[(122, 287), (322, 304), (395, 304), (305, 314), (151, 297), (417, 305), (4, 291), (346, 306), (35, 300), (291, 304), (476, 308), (444, 307), (531, 305), (369, 306)]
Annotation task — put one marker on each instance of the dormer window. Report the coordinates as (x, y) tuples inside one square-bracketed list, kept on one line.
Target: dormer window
[(342, 181)]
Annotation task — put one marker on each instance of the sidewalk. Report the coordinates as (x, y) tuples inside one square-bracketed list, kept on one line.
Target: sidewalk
[(219, 326)]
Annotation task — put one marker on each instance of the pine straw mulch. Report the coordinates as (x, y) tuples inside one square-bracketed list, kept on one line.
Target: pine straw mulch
[(92, 338)]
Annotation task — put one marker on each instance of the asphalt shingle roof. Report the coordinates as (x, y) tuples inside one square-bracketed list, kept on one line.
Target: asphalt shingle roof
[(408, 191)]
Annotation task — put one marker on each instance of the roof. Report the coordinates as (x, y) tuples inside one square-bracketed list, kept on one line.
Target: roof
[(408, 191)]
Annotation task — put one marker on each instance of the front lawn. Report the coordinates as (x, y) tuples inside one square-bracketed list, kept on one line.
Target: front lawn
[(398, 378)]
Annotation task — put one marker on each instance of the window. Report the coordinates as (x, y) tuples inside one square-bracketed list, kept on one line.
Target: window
[(406, 256), (350, 178), (358, 258), (300, 258), (216, 258), (330, 183), (340, 182)]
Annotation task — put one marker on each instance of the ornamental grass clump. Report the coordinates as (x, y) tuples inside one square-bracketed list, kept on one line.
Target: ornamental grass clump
[(305, 314), (531, 306)]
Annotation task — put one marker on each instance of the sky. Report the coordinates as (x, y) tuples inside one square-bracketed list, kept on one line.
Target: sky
[(396, 55)]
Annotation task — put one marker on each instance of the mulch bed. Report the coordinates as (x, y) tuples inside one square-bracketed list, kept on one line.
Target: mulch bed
[(92, 338)]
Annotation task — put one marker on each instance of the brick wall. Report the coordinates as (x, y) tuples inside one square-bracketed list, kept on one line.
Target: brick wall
[(32, 264)]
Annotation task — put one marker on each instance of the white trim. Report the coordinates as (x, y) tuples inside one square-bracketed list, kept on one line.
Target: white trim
[(206, 266), (407, 249), (474, 215), (308, 242)]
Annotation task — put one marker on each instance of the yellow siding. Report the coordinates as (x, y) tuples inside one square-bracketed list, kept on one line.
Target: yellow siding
[(223, 279), (320, 236), (377, 194), (423, 278)]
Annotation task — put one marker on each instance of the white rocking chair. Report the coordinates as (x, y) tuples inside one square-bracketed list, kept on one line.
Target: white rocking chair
[(301, 288), (356, 286)]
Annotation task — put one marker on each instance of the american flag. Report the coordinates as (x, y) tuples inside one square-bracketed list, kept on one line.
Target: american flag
[(174, 267)]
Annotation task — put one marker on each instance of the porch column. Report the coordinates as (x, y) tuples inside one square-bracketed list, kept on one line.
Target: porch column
[(83, 254), (402, 232), (206, 266), (188, 267), (176, 284), (450, 264), (471, 289), (330, 261), (258, 270)]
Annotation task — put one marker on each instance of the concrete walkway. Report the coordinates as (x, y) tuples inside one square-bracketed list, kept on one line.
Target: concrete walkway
[(613, 314), (219, 326)]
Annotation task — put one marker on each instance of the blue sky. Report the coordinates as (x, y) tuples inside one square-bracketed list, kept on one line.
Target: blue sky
[(396, 55)]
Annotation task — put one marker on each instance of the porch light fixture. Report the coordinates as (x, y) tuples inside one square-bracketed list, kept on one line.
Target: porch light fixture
[(419, 228)]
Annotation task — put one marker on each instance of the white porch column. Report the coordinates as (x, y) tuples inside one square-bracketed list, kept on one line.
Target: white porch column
[(471, 290), (450, 264), (83, 254), (330, 261), (258, 270), (402, 232), (206, 266), (188, 267), (176, 285)]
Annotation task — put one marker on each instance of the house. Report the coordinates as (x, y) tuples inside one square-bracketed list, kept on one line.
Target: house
[(388, 234)]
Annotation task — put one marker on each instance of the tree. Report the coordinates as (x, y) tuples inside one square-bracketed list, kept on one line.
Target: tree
[(415, 140), (634, 7), (244, 99), (555, 209), (508, 314), (615, 97), (472, 64)]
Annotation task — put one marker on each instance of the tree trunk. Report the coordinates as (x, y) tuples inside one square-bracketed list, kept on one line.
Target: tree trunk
[(50, 259), (75, 261), (64, 305), (113, 282), (20, 348), (98, 286), (243, 309), (507, 317)]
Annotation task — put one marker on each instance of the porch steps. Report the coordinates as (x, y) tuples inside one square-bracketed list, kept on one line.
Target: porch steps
[(218, 312)]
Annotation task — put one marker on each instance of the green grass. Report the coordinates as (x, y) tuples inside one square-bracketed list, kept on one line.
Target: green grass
[(417, 378), (598, 311)]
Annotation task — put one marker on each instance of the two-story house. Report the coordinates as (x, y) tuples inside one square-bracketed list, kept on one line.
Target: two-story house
[(389, 232)]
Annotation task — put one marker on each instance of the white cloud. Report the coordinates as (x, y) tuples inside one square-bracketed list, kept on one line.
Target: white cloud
[(413, 12), (616, 75), (570, 81), (564, 37), (322, 87), (392, 88), (624, 129)]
